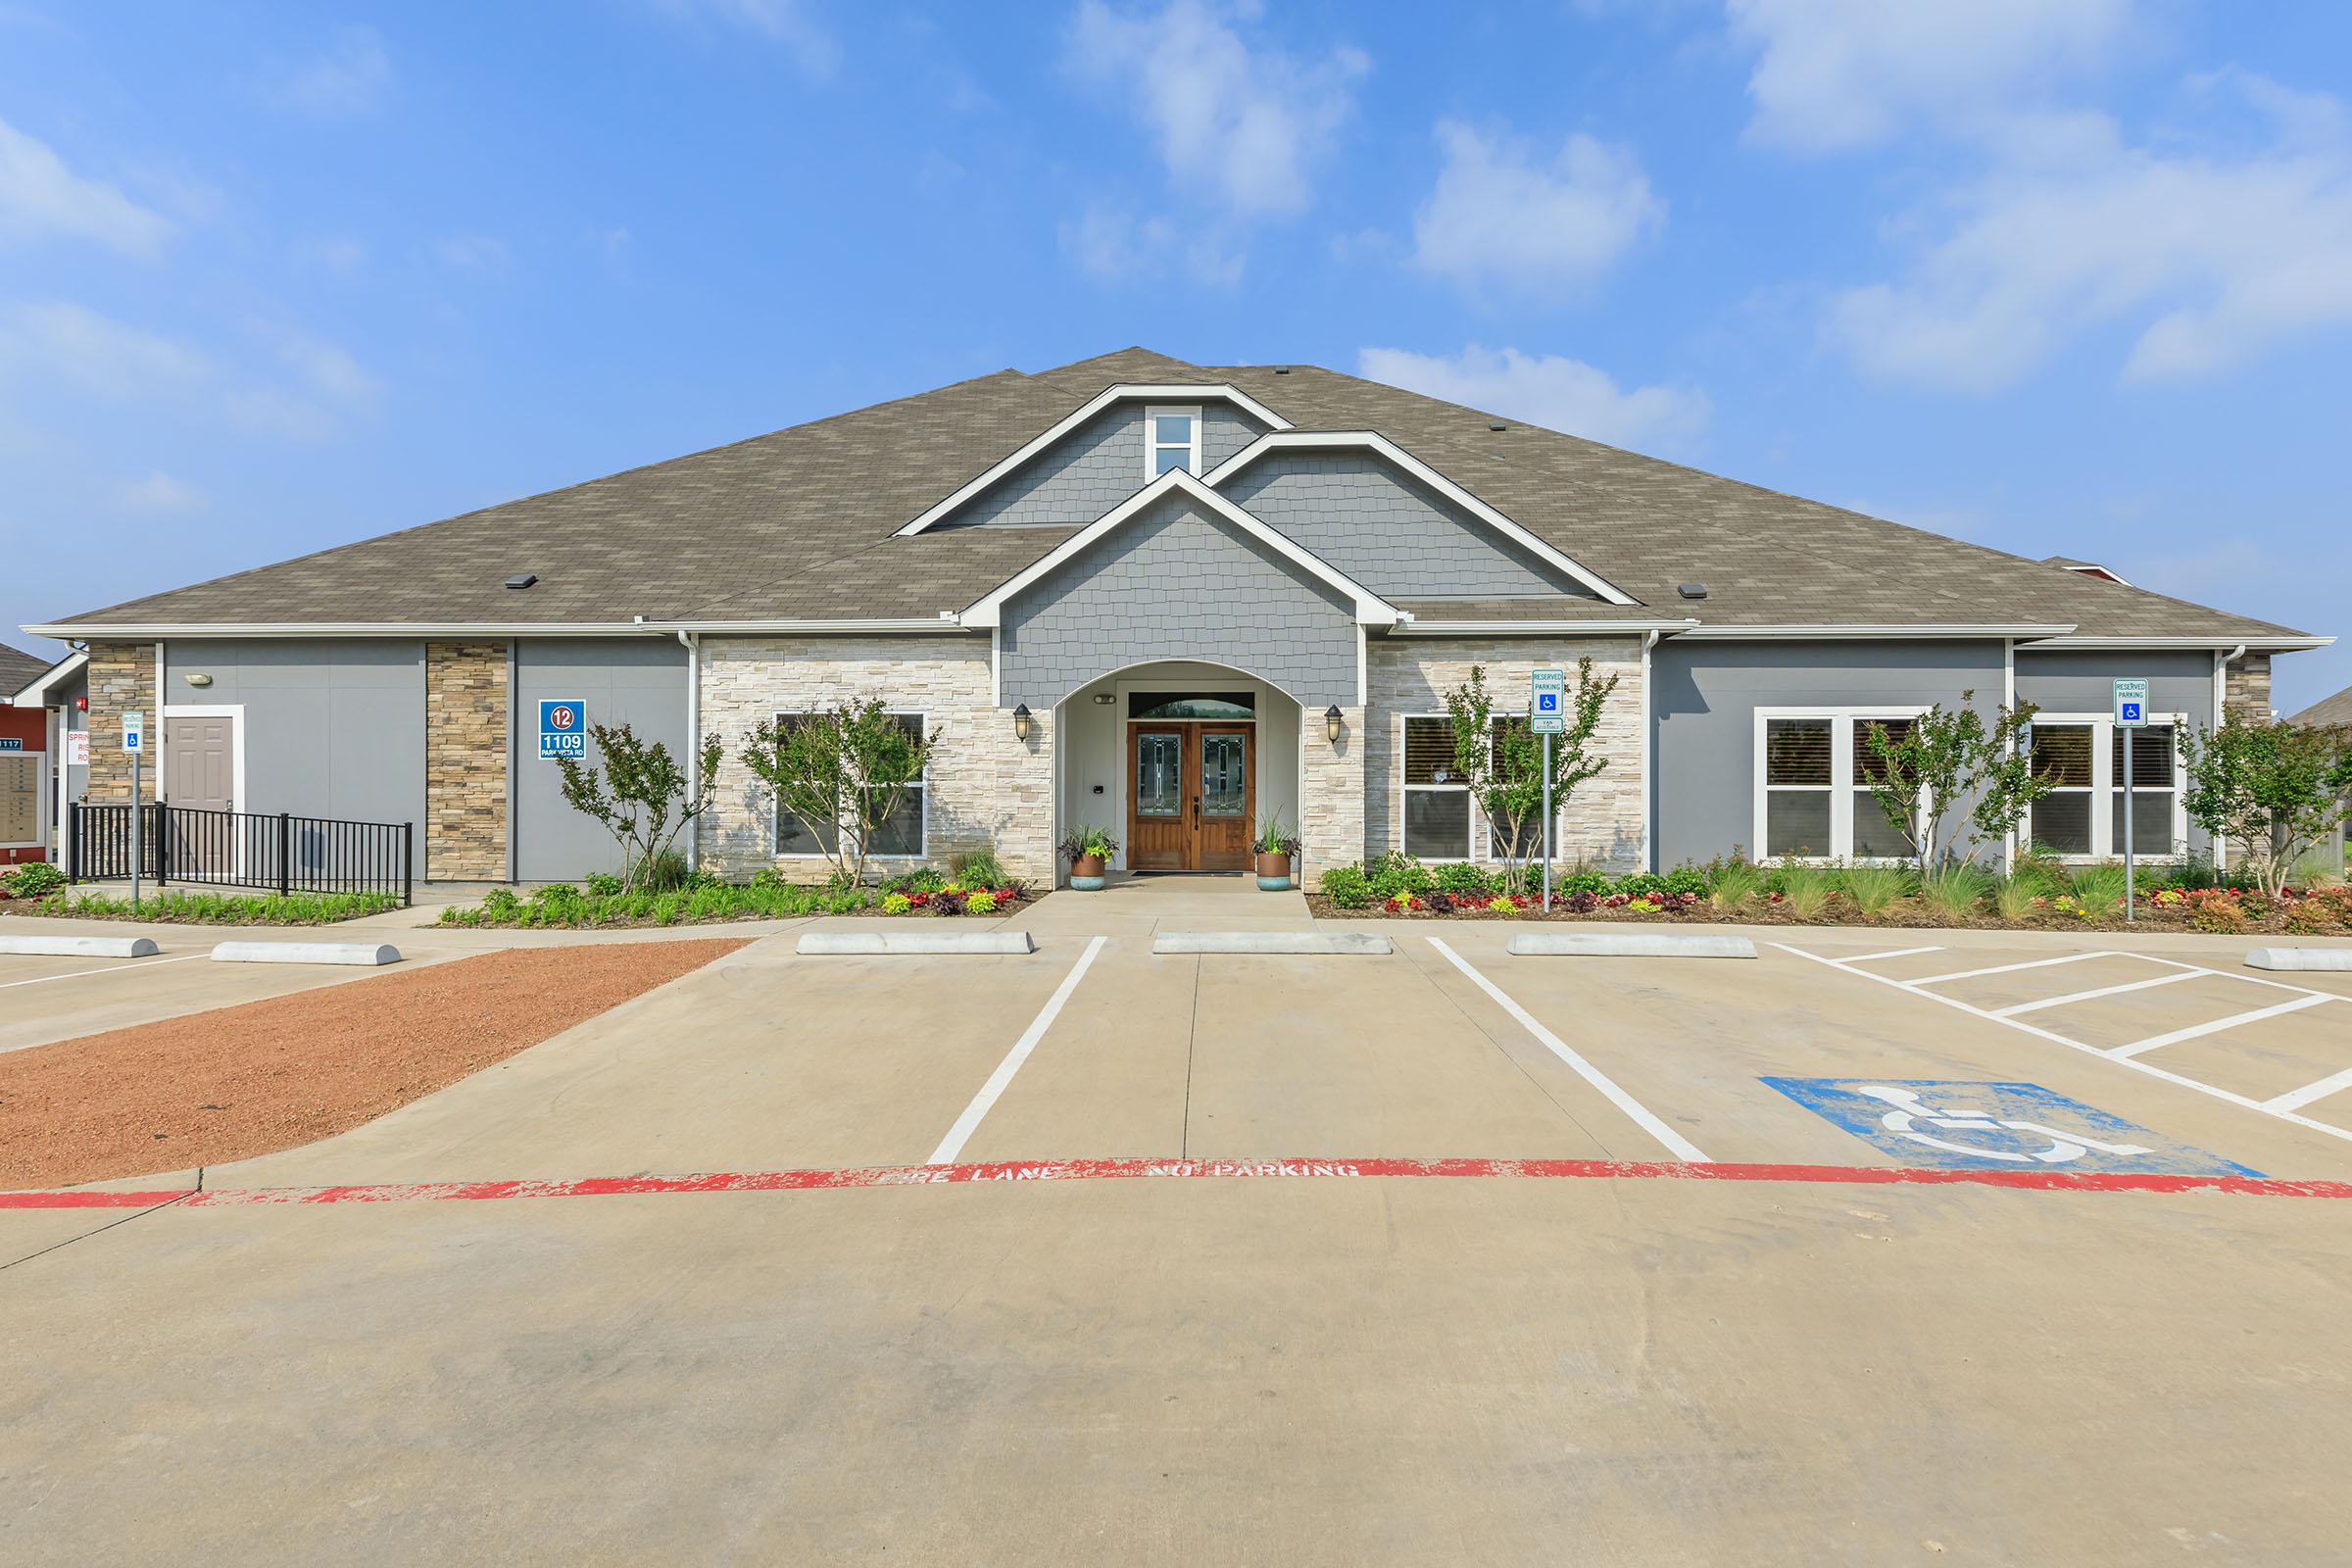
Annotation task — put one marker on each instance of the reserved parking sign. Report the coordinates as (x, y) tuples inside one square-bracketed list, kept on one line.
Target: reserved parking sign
[(2131, 704)]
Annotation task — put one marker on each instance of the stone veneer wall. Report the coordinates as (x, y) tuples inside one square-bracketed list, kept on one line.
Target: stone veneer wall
[(986, 788), (466, 761), (121, 677), (2246, 688), (1331, 798), (1603, 823)]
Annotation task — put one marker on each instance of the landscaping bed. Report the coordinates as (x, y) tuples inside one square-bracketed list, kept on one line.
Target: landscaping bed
[(208, 909), (706, 900), (2040, 895), (237, 1082)]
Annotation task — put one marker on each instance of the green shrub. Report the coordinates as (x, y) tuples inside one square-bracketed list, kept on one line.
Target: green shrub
[(1582, 879), (224, 908), (1464, 876), (1874, 888), (2218, 916), (2013, 898), (979, 870), (602, 884), (1687, 878), (34, 879), (896, 903), (1732, 885), (981, 903), (1393, 874), (922, 879), (1804, 890), (1345, 886), (1640, 884), (2099, 889), (1955, 891)]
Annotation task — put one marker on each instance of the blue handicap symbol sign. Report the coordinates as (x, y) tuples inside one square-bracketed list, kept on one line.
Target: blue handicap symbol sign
[(1548, 703), (2131, 712), (1992, 1126)]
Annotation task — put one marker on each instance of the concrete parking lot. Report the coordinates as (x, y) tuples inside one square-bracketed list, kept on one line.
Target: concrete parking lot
[(1561, 1352)]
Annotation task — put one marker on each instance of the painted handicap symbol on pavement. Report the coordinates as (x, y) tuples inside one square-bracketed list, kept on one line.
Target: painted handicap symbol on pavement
[(1977, 1126)]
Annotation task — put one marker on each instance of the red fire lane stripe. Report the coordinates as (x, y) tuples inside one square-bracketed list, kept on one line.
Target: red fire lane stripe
[(779, 1180)]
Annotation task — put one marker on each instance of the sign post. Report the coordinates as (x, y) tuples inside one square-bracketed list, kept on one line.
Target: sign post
[(1547, 693), (135, 743), (2130, 714)]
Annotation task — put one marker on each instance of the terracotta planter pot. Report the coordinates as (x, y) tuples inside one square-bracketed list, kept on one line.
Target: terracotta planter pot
[(1273, 873), (1085, 874)]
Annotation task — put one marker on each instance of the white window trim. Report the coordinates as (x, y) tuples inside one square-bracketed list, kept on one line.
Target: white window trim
[(2103, 790), (41, 808), (1478, 850), (775, 810), (1842, 787), (1154, 446)]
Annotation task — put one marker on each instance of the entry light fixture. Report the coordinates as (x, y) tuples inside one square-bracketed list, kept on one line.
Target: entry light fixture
[(1021, 722), (1331, 724), (197, 677)]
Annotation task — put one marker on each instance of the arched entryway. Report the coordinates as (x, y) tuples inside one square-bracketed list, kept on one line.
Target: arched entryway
[(1180, 762)]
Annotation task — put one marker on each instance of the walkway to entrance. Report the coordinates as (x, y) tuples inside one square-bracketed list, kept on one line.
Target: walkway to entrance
[(1132, 904)]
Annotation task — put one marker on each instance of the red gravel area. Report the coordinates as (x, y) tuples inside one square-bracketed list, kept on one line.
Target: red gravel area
[(237, 1082)]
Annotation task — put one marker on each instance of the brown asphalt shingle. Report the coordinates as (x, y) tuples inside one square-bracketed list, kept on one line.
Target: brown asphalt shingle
[(797, 524)]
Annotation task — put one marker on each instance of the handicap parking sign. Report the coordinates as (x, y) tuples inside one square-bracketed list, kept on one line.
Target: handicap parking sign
[(563, 728), (1994, 1126)]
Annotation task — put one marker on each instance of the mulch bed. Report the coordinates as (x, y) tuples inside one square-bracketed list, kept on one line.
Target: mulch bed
[(253, 1079), (1902, 917)]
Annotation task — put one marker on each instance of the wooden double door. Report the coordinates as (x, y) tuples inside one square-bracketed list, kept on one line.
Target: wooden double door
[(1190, 790)]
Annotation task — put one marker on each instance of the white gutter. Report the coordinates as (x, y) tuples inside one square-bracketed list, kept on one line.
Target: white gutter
[(1713, 631), (1650, 783), (87, 632), (1544, 628), (2294, 642)]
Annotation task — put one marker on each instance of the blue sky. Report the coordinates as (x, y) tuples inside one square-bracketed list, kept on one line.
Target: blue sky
[(2055, 276)]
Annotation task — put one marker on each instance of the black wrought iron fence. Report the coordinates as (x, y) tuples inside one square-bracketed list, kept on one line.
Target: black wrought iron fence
[(284, 852)]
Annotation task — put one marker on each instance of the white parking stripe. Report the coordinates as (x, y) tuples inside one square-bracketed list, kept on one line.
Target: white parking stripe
[(2087, 996), (2054, 1038), (969, 1122), (2297, 1098), (1676, 1143), (2194, 1031), (2002, 968), (2250, 979), (1899, 953), (146, 963)]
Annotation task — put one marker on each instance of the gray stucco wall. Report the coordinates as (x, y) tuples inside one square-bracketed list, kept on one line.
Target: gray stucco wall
[(1385, 531), (1094, 469), (1178, 583), (2081, 681), (1706, 694), (636, 681), (332, 727)]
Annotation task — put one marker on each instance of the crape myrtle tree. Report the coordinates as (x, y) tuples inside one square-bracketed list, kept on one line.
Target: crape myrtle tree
[(1919, 771), (641, 794), (840, 772), (1503, 765), (2269, 791)]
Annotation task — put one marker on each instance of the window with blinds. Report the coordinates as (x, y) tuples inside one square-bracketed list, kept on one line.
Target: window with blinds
[(1798, 775), (1814, 802), (1437, 802), (2083, 816)]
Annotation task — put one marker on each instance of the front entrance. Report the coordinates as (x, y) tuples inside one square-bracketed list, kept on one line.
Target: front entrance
[(1191, 796)]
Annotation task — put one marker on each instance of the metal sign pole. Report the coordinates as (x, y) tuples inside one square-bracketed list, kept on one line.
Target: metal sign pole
[(2129, 915), (1546, 821), (134, 830)]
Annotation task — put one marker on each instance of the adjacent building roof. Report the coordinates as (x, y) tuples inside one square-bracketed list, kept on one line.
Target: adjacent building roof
[(2328, 710), (18, 670), (804, 525)]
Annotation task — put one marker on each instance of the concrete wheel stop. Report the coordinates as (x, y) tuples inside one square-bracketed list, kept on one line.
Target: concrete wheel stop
[(362, 954), (1329, 944), (79, 946), (2333, 960), (872, 944), (1629, 944)]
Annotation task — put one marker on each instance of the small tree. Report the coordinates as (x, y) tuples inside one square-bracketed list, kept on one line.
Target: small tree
[(1928, 766), (637, 793), (2269, 791), (840, 772), (1505, 772)]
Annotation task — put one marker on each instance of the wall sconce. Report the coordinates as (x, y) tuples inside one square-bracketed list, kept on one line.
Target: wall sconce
[(1331, 724), (199, 679), (1021, 722)]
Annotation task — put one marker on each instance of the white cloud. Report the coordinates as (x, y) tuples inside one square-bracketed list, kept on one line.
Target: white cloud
[(159, 493), (783, 22), (69, 344), (328, 371), (1242, 126), (1550, 390), (39, 196), (1499, 215), (351, 77), (1119, 247), (2213, 253), (1842, 73)]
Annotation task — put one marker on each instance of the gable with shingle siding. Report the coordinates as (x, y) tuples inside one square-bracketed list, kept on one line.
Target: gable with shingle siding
[(1093, 468)]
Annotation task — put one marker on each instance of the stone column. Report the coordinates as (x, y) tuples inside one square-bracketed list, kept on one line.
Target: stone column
[(2246, 689), (466, 761), (121, 679), (1026, 794), (1330, 795)]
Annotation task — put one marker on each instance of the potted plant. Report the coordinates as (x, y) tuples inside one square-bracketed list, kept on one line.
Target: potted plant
[(1089, 851), (1275, 847)]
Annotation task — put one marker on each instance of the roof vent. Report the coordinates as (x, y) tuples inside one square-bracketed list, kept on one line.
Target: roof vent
[(1692, 590), (1497, 425), (1282, 369), (522, 579)]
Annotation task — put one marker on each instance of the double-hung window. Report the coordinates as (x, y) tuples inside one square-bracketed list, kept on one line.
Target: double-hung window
[(1814, 768), (1171, 440), (2083, 816), (1531, 836), (900, 833), (1435, 808)]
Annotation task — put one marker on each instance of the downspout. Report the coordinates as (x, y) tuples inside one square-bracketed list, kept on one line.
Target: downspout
[(2221, 711), (694, 744), (1650, 783), (158, 731)]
